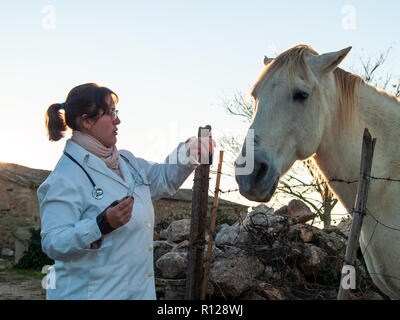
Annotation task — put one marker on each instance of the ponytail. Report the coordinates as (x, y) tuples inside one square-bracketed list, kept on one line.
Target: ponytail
[(86, 98), (55, 122)]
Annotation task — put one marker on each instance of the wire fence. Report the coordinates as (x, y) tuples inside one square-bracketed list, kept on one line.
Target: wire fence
[(367, 213)]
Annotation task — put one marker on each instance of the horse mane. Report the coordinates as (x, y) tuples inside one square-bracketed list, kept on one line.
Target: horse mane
[(347, 84), (294, 60)]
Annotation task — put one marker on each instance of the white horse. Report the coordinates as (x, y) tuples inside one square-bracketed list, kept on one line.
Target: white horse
[(305, 106)]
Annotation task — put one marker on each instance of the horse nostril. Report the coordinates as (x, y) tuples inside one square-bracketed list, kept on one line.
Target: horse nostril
[(262, 172)]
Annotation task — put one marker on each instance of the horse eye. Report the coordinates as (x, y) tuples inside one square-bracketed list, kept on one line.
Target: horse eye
[(300, 96)]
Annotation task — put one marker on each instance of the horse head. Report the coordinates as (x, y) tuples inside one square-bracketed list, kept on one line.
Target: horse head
[(293, 105)]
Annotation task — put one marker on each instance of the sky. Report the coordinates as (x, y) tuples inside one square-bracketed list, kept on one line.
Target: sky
[(170, 62)]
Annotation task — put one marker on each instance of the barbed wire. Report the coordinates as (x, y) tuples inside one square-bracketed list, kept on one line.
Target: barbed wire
[(372, 235), (223, 173), (369, 213), (387, 179), (366, 213), (377, 221), (323, 182)]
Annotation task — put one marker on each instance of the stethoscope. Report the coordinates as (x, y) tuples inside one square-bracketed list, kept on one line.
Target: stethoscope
[(97, 192)]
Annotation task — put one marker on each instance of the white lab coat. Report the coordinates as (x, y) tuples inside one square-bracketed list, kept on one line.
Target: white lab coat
[(122, 268)]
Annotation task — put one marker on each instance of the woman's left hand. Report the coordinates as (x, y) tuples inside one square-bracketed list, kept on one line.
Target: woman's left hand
[(204, 146)]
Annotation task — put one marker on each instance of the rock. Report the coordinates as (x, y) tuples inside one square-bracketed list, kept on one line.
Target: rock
[(334, 229), (258, 214), (259, 223), (170, 289), (299, 212), (224, 225), (177, 231), (296, 249), (232, 276), (210, 289), (263, 218), (7, 252), (312, 260), (184, 247), (283, 211), (22, 238), (302, 232), (159, 249), (306, 234), (344, 226), (163, 234), (235, 235), (173, 265), (162, 247), (268, 273), (268, 291), (181, 246), (263, 226), (298, 276), (271, 254), (251, 295), (333, 243), (228, 250), (215, 252)]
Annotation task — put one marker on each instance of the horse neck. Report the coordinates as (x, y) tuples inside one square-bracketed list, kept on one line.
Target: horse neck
[(339, 154)]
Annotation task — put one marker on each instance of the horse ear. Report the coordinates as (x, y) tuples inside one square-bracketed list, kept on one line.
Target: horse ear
[(267, 60), (329, 61)]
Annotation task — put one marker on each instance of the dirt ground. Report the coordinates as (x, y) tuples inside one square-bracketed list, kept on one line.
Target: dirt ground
[(20, 285)]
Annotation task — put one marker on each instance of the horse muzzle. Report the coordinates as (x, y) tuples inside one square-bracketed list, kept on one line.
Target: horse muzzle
[(261, 183)]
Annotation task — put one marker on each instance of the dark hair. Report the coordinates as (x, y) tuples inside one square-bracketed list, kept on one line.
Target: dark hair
[(88, 98)]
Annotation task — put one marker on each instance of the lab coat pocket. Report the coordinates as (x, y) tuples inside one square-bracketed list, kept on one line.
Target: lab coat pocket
[(109, 282), (98, 246)]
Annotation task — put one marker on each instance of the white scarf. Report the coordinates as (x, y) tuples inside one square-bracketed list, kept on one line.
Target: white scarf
[(110, 156)]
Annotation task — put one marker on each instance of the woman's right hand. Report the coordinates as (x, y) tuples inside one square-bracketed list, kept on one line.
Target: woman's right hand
[(120, 214)]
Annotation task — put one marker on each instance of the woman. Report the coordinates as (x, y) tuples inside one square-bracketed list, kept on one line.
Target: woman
[(96, 211)]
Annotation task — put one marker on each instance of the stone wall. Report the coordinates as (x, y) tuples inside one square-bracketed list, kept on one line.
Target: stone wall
[(19, 206), (179, 207), (270, 255)]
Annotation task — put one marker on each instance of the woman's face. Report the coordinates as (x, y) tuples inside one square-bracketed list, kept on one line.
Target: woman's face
[(105, 128)]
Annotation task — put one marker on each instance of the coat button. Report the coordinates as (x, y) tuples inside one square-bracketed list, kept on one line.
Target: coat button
[(150, 249), (150, 275), (148, 224)]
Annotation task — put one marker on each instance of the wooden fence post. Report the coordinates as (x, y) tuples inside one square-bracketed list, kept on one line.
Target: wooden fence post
[(197, 225), (212, 228), (367, 154)]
